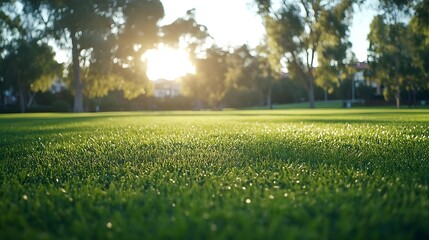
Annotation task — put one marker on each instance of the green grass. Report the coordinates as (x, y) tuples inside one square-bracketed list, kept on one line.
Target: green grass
[(334, 104), (282, 174), (303, 105)]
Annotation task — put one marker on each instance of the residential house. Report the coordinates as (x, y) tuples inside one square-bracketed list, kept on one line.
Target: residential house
[(166, 89)]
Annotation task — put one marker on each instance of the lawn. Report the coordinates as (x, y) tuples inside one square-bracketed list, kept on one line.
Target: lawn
[(280, 174)]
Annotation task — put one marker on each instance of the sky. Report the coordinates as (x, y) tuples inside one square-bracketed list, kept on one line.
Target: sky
[(235, 22)]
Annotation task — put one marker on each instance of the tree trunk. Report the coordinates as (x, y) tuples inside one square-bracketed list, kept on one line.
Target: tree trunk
[(261, 98), (269, 94), (325, 94), (31, 99), (21, 96), (409, 99), (398, 98), (310, 92), (398, 84), (77, 84)]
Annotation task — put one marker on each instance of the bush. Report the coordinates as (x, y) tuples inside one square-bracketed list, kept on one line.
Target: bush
[(59, 105)]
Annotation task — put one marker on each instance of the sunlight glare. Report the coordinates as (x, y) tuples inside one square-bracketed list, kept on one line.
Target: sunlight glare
[(167, 63)]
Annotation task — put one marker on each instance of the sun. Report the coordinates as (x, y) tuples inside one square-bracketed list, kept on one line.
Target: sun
[(167, 63)]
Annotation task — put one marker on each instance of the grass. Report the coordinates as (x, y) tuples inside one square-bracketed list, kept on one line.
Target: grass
[(333, 104), (281, 174), (303, 105)]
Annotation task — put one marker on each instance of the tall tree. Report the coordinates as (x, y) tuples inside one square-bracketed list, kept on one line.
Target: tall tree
[(10, 23), (419, 34), (308, 32), (187, 33), (252, 70), (389, 53), (29, 67), (209, 84), (211, 70), (81, 25), (389, 56)]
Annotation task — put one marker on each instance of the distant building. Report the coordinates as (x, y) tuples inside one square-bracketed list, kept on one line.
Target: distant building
[(360, 79), (58, 85), (166, 88)]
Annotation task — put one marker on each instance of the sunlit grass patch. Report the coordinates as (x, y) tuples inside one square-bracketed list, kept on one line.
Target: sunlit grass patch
[(233, 174)]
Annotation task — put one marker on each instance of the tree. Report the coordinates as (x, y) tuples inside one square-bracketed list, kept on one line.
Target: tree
[(187, 33), (390, 48), (419, 34), (389, 56), (252, 70), (140, 32), (211, 71), (29, 67), (27, 62), (209, 84), (306, 32), (10, 26), (242, 69), (80, 26)]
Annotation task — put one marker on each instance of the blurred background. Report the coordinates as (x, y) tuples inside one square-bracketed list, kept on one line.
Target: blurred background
[(117, 55)]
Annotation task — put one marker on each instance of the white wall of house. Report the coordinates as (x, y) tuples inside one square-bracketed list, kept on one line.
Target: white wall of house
[(166, 89)]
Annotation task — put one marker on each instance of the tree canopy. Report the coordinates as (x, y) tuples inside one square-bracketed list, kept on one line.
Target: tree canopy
[(105, 38), (398, 47), (309, 34), (306, 41), (29, 67)]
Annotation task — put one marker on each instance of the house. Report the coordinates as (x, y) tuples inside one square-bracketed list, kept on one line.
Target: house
[(359, 78), (166, 89)]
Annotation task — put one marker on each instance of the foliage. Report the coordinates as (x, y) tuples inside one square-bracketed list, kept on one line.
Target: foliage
[(308, 31), (10, 25), (253, 70), (419, 43), (389, 55), (106, 40), (188, 33), (398, 51), (295, 174), (211, 72), (29, 67)]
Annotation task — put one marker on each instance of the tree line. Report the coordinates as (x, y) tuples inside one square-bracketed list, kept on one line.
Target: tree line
[(308, 39)]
